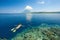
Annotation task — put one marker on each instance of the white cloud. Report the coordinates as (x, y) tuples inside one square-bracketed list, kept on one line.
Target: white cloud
[(28, 15), (41, 2), (28, 8)]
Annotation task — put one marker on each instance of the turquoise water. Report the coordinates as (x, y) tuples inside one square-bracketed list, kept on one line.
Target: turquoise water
[(9, 21)]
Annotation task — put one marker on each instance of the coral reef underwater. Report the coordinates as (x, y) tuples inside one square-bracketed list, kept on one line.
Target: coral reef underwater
[(42, 32)]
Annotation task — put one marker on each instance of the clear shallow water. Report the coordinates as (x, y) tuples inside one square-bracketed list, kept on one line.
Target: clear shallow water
[(8, 21)]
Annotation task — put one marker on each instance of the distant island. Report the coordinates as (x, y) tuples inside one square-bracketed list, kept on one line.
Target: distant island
[(30, 12)]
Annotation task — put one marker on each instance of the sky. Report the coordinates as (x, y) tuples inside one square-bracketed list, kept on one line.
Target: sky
[(17, 6)]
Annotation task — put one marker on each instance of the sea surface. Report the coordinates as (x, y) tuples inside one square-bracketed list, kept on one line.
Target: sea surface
[(11, 20)]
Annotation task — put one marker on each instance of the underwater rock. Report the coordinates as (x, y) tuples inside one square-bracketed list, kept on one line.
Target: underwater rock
[(3, 39)]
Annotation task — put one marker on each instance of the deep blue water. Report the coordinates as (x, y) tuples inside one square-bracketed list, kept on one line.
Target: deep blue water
[(9, 21)]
